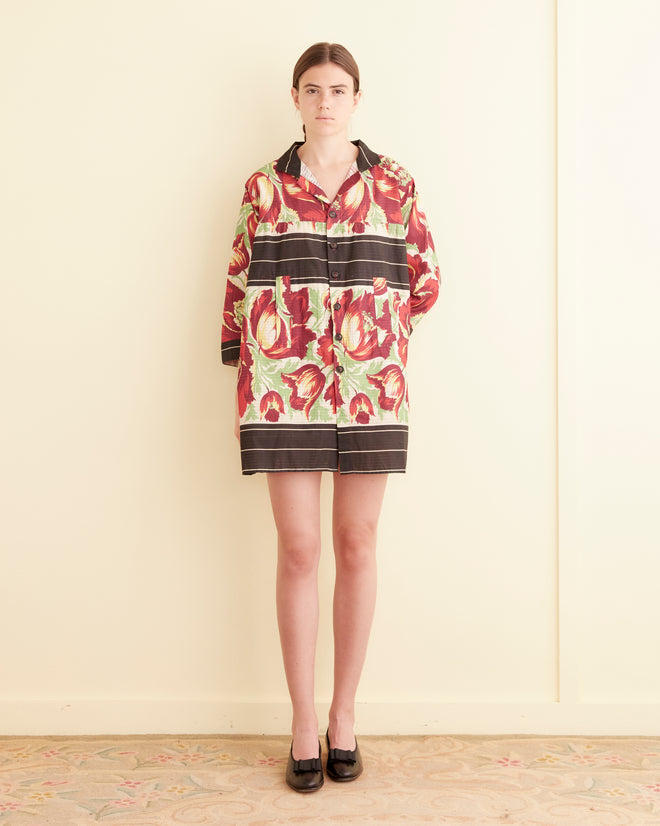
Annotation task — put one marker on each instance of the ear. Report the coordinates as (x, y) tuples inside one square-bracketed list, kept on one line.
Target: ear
[(357, 97), (295, 94)]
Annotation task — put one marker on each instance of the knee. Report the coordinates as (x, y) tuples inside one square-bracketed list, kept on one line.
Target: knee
[(355, 546), (298, 556)]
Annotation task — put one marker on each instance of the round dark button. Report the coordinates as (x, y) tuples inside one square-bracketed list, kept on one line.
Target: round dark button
[(340, 369), (332, 213), (333, 245), (338, 337), (335, 275), (337, 306)]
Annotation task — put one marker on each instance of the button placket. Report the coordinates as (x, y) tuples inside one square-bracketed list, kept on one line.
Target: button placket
[(334, 276), (337, 337)]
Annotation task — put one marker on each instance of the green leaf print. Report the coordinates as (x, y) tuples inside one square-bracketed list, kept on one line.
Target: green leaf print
[(282, 309), (319, 313), (241, 224)]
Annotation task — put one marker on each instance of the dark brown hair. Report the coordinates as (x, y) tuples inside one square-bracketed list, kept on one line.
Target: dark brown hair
[(321, 53)]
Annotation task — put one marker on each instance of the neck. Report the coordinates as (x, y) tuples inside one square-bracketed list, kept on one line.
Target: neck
[(327, 151)]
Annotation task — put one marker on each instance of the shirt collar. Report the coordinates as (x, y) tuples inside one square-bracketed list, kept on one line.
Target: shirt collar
[(290, 162)]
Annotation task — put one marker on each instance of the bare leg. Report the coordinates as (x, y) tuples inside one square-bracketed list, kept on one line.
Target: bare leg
[(295, 499), (356, 508)]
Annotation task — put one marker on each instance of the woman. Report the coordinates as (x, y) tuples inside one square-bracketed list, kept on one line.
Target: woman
[(332, 266)]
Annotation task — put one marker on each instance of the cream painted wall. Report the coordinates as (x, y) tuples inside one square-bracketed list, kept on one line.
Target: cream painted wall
[(609, 272), (137, 587)]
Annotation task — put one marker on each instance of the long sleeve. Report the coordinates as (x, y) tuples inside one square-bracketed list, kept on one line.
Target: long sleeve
[(232, 317), (423, 269)]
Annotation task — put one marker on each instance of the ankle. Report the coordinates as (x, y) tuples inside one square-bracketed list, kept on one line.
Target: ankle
[(305, 733), (341, 731), (341, 718), (304, 723)]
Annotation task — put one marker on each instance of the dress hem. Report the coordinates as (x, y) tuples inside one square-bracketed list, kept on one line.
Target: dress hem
[(321, 470)]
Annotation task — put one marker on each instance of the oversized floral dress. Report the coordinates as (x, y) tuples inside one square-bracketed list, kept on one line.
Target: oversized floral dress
[(320, 302)]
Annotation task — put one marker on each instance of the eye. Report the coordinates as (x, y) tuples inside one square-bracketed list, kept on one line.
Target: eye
[(339, 91)]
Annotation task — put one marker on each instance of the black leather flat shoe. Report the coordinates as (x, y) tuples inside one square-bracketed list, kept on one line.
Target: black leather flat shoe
[(304, 775), (342, 765)]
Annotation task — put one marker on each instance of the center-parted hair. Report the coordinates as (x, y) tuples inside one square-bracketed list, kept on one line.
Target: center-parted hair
[(322, 53)]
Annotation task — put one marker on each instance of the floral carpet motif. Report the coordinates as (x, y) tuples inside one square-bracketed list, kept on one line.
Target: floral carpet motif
[(222, 781)]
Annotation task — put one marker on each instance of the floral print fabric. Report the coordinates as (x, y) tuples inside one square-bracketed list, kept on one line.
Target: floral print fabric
[(320, 302)]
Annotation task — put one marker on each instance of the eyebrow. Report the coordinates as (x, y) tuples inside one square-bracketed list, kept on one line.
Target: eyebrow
[(334, 86)]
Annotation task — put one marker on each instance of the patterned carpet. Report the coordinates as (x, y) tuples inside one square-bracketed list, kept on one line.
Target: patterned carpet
[(162, 781)]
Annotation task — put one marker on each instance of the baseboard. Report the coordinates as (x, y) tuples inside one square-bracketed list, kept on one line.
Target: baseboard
[(115, 717)]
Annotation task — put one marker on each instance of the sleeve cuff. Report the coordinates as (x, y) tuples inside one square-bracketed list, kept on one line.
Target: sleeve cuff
[(231, 352)]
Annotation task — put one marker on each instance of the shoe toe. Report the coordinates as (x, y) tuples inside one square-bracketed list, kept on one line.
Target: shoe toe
[(343, 766), (304, 775)]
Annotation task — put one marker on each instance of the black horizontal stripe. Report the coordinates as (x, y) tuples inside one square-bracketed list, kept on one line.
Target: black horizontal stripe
[(299, 281), (368, 438), (286, 461), (308, 259), (287, 469), (270, 436), (272, 447), (230, 350), (329, 427), (352, 247), (374, 449)]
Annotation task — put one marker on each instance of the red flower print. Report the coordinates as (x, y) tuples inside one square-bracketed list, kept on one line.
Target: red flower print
[(282, 227), (252, 223), (355, 203), (387, 194), (418, 233), (380, 285), (402, 313), (233, 296), (297, 305), (333, 396), (272, 406), (244, 386), (305, 205), (402, 310), (359, 329), (361, 408), (423, 291), (282, 335), (306, 384), (324, 348), (509, 762), (239, 257), (417, 267), (268, 328), (391, 387), (263, 192), (163, 758)]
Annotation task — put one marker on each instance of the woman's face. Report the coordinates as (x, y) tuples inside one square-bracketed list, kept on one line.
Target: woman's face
[(325, 100)]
